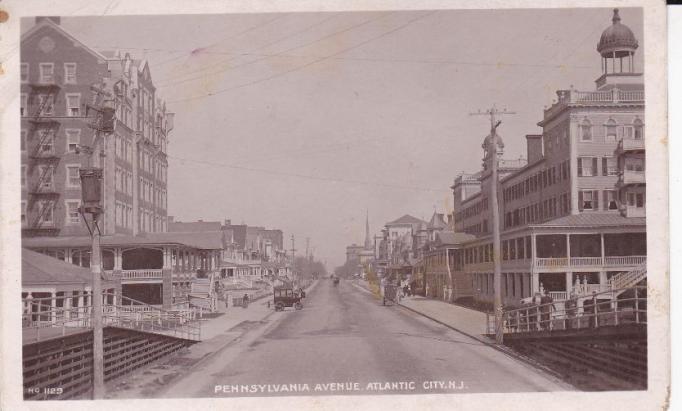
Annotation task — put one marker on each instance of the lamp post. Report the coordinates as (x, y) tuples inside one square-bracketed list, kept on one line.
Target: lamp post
[(92, 203), (91, 191)]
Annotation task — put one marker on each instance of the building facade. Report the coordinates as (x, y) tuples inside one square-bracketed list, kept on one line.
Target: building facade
[(64, 84), (573, 217)]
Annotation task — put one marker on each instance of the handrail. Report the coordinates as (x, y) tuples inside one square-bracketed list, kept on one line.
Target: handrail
[(581, 312), (43, 313)]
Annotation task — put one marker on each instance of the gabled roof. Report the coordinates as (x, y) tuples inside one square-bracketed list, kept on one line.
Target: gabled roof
[(594, 220), (437, 221), (59, 29), (406, 219)]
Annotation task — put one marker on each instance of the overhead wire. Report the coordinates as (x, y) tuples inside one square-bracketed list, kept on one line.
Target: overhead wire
[(306, 176), (297, 68)]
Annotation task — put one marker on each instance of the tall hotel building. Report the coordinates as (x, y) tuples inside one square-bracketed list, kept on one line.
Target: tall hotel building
[(62, 80), (573, 217)]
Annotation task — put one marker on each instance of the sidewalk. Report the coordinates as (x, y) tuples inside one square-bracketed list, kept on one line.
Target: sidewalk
[(464, 320)]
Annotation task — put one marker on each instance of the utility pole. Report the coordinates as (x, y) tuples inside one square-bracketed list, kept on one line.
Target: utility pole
[(293, 260), (91, 193), (491, 146)]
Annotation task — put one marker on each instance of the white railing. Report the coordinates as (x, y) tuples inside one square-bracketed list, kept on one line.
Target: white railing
[(631, 144), (625, 260), (588, 289), (633, 177), (558, 295), (611, 96), (141, 274), (629, 278), (583, 261), (589, 261)]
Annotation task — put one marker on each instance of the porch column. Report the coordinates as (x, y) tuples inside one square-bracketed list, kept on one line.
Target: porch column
[(67, 305), (534, 276), (118, 259), (603, 250), (53, 307), (603, 279), (568, 248), (81, 303), (67, 255), (569, 283)]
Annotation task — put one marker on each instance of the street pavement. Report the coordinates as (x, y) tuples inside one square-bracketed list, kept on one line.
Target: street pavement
[(345, 342)]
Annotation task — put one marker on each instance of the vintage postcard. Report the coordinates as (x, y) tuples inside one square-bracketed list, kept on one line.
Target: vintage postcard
[(377, 205)]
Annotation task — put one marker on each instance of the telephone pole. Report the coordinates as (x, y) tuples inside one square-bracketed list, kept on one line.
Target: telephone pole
[(491, 145), (293, 260)]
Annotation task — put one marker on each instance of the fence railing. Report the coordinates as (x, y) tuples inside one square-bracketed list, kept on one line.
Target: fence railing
[(50, 316), (554, 262), (141, 274), (597, 310)]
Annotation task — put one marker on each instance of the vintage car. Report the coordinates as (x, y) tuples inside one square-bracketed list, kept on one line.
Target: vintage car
[(286, 297)]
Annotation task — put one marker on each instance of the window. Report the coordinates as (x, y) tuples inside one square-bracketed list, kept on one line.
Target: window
[(69, 73), (72, 214), (638, 129), (22, 141), (46, 176), (588, 199), (46, 105), (73, 139), (24, 105), (46, 211), (23, 176), (23, 213), (587, 166), (611, 130), (73, 105), (46, 72), (72, 176), (610, 202), (24, 72), (586, 130), (609, 166), (46, 144)]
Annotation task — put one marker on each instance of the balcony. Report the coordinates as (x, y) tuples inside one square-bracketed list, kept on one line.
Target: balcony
[(593, 98), (630, 144), (142, 274), (584, 262), (628, 177)]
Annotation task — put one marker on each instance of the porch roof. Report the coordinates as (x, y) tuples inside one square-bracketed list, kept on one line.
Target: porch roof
[(41, 269), (207, 240), (594, 220)]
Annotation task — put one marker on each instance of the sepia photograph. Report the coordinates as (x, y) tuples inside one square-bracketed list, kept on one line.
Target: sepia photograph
[(399, 204)]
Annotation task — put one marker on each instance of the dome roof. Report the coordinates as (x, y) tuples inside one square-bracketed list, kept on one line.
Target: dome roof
[(617, 38)]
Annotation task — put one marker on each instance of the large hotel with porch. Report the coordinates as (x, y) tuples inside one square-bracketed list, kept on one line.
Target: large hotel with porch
[(573, 216)]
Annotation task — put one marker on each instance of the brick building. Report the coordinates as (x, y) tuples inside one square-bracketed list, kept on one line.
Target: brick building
[(63, 82)]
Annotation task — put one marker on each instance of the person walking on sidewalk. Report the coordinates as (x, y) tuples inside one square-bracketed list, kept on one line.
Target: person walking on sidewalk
[(245, 301)]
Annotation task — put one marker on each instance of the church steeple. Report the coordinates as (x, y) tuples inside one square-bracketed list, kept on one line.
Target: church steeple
[(368, 244)]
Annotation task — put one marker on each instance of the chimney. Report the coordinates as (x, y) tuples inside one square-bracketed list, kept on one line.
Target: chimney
[(534, 146), (55, 19)]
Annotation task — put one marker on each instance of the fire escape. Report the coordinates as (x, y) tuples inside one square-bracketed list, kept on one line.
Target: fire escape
[(42, 160)]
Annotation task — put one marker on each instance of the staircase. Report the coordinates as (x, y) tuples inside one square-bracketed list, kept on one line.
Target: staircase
[(201, 294), (628, 278)]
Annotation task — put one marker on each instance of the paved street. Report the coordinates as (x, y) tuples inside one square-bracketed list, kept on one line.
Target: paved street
[(346, 342)]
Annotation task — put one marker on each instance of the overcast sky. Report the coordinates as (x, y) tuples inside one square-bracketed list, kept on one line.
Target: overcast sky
[(304, 121)]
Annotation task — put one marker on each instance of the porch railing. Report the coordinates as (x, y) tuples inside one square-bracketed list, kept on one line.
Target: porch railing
[(598, 310), (589, 261), (44, 318), (141, 274)]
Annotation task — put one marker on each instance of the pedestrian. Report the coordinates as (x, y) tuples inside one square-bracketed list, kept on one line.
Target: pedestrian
[(226, 295), (245, 301)]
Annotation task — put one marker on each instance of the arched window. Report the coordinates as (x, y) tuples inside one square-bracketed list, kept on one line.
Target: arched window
[(586, 130)]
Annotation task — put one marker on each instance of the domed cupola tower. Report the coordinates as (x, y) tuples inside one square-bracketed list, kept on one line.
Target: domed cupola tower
[(617, 47)]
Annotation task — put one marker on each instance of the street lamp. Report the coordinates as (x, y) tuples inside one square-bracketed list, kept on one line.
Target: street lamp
[(91, 203)]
